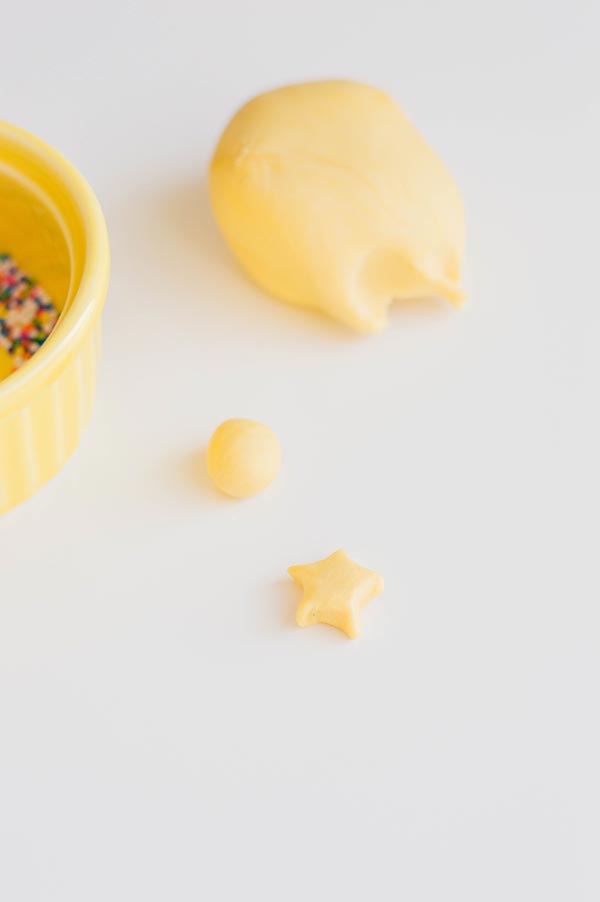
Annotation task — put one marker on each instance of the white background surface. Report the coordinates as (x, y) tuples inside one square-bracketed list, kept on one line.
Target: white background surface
[(166, 731)]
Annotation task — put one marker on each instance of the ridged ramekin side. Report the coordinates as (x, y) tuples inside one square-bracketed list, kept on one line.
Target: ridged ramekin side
[(37, 439)]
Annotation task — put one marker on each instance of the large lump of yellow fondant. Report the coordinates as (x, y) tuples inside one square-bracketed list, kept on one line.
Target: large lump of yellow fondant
[(331, 199)]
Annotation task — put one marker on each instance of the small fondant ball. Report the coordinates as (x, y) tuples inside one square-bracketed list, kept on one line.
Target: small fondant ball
[(243, 457)]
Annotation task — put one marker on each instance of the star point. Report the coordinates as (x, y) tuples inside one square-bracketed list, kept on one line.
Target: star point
[(335, 591)]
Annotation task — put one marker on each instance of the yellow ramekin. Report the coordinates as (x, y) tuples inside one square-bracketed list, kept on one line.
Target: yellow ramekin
[(45, 405)]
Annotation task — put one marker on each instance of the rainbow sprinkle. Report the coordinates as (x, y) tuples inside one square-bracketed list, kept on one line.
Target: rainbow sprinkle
[(27, 315)]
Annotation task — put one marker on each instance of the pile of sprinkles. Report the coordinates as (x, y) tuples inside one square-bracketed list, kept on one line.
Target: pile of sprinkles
[(27, 315)]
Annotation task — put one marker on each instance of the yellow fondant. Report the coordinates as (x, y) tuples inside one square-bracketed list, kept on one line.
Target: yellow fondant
[(331, 199), (335, 590), (243, 457)]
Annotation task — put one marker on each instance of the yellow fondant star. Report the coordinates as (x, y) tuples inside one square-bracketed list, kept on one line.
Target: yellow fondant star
[(335, 590)]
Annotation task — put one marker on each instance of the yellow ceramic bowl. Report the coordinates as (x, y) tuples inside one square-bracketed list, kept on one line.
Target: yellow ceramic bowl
[(52, 225)]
